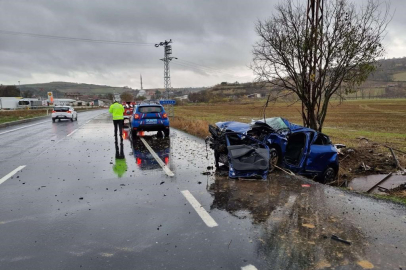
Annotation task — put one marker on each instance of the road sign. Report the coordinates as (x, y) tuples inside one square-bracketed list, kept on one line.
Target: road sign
[(167, 102)]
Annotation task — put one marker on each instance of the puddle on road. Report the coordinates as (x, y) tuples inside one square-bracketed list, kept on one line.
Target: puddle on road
[(364, 183)]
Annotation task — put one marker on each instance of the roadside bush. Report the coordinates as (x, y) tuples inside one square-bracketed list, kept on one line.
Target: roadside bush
[(195, 127)]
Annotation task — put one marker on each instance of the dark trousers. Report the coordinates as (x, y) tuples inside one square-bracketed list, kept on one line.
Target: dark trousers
[(118, 124)]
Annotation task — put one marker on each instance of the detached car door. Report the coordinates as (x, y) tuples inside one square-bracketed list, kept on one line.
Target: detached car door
[(321, 154)]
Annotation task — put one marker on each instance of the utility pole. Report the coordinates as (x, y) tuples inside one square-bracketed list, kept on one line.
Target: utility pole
[(167, 58), (141, 81), (19, 88)]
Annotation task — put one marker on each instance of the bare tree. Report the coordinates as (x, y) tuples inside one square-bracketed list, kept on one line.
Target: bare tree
[(127, 97), (345, 49)]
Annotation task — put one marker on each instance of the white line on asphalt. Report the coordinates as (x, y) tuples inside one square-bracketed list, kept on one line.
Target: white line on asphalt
[(249, 267), (5, 178), (160, 162), (72, 132), (22, 127), (199, 209)]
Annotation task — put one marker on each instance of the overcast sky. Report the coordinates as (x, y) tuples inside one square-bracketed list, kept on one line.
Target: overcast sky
[(212, 39)]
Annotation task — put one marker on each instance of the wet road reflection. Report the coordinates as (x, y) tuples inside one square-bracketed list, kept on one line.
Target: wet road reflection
[(294, 225), (120, 165), (143, 158)]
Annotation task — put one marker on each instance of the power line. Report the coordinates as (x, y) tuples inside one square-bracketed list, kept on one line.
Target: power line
[(13, 33), (206, 68), (184, 63), (203, 69), (190, 67)]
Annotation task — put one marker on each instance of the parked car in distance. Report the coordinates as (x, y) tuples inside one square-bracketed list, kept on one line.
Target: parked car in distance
[(302, 150), (64, 112), (149, 116)]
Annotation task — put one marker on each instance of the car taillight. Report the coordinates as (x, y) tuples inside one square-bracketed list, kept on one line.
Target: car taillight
[(136, 116), (139, 161), (53, 111), (166, 160), (165, 116), (69, 112)]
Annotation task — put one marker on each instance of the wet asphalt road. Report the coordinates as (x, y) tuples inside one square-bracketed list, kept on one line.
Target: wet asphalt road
[(75, 206)]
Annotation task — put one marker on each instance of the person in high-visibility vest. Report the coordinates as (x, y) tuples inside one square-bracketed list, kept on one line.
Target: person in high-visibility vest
[(117, 110)]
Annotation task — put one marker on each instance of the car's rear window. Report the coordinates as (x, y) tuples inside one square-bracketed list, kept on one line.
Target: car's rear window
[(150, 109), (61, 109)]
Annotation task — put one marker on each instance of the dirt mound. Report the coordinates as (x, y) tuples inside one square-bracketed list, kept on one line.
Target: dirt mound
[(367, 158)]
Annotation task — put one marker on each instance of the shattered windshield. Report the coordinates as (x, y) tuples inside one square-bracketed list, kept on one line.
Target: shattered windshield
[(276, 123)]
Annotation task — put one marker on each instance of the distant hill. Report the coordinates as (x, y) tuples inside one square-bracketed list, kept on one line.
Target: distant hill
[(82, 88), (388, 81), (390, 70), (59, 89)]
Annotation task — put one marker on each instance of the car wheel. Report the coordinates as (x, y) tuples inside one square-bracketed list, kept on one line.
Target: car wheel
[(166, 132), (53, 120), (159, 134), (273, 159), (328, 176), (76, 118)]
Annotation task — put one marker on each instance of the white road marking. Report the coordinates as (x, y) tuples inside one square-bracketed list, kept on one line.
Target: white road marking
[(5, 178), (22, 127), (72, 132), (160, 162), (249, 267), (199, 209)]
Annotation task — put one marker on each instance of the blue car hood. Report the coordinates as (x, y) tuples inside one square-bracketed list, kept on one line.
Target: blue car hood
[(234, 126), (243, 127)]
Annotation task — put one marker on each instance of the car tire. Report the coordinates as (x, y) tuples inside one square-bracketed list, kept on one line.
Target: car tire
[(328, 176), (76, 117), (53, 120), (274, 157), (166, 132), (71, 119)]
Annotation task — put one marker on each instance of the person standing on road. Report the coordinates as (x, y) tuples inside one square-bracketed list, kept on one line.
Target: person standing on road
[(117, 110)]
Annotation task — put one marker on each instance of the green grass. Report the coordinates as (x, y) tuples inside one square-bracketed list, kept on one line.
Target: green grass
[(401, 200), (399, 76), (10, 116), (380, 120)]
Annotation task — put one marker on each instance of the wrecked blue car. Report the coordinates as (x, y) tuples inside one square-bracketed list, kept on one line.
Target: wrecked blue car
[(301, 150), (242, 155)]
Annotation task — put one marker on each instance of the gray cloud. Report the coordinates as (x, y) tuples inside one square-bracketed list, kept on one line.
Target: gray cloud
[(216, 34)]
